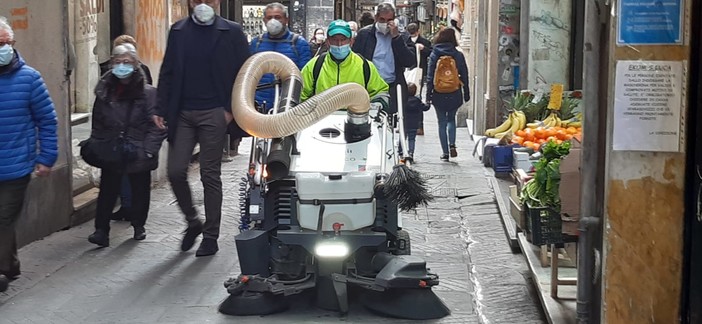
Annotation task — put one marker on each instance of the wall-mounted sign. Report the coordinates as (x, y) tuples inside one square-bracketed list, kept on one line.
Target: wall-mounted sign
[(647, 107), (650, 22)]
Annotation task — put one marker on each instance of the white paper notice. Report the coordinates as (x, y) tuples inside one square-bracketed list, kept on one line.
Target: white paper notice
[(648, 101)]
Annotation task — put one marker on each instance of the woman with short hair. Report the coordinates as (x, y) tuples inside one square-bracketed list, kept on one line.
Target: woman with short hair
[(124, 106)]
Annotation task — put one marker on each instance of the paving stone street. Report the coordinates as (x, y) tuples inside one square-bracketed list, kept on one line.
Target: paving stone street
[(65, 279)]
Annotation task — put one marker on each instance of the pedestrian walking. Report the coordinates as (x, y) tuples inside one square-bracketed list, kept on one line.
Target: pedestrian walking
[(122, 119), (390, 51), (204, 54), (447, 87), (318, 43), (125, 199), (28, 118), (424, 46), (412, 116), (280, 39)]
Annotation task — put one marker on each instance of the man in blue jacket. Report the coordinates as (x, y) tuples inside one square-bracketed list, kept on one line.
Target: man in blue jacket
[(204, 54), (27, 116), (389, 50), (280, 39)]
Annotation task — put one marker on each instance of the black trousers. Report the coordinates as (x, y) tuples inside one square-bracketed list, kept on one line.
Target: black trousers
[(110, 188), (206, 127), (12, 194)]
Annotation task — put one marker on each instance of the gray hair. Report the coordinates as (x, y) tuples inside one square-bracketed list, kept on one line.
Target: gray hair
[(4, 25), (384, 7), (125, 49), (276, 5)]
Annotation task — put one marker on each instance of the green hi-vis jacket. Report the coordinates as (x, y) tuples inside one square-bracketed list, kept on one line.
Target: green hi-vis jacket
[(333, 73)]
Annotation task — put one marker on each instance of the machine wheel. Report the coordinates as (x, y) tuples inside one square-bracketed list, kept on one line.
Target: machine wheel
[(402, 244)]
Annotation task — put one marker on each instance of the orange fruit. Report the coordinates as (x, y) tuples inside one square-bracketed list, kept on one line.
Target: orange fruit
[(528, 144), (520, 133), (537, 147), (518, 139)]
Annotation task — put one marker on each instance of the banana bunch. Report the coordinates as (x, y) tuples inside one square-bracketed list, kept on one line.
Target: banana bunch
[(552, 120), (574, 122), (515, 121)]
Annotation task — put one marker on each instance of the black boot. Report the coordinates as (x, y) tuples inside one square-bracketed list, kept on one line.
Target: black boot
[(4, 283), (100, 238), (139, 233), (207, 247), (191, 233)]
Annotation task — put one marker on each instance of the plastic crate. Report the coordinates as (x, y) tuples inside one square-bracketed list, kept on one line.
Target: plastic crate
[(502, 159), (544, 225)]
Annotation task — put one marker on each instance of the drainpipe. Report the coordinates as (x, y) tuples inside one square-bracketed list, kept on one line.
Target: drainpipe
[(588, 276)]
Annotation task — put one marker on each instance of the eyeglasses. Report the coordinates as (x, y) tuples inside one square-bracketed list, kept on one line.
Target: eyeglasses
[(118, 61)]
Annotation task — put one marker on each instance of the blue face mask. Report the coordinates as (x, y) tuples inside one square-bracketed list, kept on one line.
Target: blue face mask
[(123, 71), (6, 54), (340, 52)]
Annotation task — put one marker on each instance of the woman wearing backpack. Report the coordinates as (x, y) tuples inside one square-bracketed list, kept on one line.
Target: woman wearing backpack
[(447, 87)]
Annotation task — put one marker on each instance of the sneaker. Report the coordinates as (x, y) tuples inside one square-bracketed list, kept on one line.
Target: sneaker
[(4, 283), (454, 153), (139, 233), (100, 238), (444, 157), (207, 247), (191, 233)]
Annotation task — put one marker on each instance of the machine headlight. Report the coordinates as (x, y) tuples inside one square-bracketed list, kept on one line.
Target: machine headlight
[(331, 249)]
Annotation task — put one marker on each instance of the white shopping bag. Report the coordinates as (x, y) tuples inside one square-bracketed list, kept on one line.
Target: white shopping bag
[(415, 75)]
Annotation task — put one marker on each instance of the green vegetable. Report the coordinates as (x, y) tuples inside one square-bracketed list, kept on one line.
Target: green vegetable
[(543, 189)]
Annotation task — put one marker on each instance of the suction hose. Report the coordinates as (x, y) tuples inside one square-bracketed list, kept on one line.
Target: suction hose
[(351, 96)]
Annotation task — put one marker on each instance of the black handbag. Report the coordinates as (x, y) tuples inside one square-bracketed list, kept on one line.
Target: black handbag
[(111, 153)]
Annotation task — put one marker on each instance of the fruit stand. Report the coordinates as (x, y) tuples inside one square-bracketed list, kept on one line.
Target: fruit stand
[(538, 147)]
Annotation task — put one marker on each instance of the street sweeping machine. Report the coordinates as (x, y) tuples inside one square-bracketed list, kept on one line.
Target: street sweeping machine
[(319, 204)]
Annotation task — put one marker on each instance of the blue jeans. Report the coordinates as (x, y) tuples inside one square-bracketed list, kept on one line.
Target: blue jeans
[(447, 128), (411, 135)]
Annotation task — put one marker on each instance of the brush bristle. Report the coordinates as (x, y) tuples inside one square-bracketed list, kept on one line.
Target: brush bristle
[(407, 188)]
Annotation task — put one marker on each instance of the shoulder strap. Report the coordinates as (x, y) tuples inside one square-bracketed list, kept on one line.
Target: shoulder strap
[(366, 71), (294, 44), (258, 43), (316, 71)]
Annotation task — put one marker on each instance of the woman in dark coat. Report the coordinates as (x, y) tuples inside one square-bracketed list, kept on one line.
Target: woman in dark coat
[(318, 44), (447, 104), (125, 104)]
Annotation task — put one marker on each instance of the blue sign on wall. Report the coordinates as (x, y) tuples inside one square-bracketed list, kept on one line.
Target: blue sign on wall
[(650, 22)]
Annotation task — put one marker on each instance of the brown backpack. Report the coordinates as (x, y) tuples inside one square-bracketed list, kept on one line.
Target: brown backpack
[(446, 78)]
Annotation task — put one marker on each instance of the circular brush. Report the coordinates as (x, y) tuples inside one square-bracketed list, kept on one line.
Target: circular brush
[(406, 188)]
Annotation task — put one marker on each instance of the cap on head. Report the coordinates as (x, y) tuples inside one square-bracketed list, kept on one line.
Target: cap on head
[(339, 27)]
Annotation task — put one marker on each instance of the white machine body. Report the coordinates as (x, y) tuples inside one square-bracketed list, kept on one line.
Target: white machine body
[(341, 175)]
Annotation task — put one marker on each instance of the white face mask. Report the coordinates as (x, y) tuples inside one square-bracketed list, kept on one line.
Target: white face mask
[(382, 27), (6, 54), (415, 38), (204, 13), (319, 37), (274, 27)]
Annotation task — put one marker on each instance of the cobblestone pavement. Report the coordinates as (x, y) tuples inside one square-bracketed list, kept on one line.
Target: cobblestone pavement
[(66, 280)]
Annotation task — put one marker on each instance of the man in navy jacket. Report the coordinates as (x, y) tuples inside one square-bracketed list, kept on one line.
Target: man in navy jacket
[(390, 51), (203, 57), (27, 116)]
